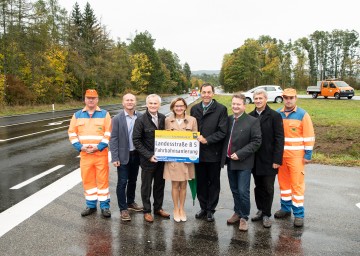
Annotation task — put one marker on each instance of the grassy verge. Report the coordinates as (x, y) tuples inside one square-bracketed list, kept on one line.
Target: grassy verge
[(337, 128), (336, 123)]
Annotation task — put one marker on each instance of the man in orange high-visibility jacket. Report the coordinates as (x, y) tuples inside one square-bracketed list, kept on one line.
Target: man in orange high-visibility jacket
[(89, 133), (298, 148)]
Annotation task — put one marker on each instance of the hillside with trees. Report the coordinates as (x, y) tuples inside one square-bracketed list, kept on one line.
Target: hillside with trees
[(48, 56), (298, 64)]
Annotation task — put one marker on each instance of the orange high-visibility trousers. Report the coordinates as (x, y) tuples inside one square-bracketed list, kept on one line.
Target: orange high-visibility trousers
[(291, 178), (95, 178)]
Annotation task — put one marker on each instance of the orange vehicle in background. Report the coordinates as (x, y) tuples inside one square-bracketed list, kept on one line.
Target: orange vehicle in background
[(331, 88)]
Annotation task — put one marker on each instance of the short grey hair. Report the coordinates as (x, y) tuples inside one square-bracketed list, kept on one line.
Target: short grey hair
[(153, 96), (260, 91)]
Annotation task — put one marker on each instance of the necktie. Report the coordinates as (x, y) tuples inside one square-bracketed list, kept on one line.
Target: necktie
[(204, 110), (230, 143), (155, 121)]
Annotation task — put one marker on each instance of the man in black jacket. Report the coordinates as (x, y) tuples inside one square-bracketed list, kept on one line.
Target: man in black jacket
[(242, 141), (269, 156), (151, 169), (211, 118)]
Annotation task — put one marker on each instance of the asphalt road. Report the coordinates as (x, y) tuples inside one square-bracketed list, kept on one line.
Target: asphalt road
[(35, 151), (331, 225), (42, 217)]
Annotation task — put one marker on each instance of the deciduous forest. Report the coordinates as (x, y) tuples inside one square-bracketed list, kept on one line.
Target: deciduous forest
[(48, 55), (298, 64)]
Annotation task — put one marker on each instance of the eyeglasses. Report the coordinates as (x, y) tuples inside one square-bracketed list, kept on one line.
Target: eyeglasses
[(288, 97), (179, 106)]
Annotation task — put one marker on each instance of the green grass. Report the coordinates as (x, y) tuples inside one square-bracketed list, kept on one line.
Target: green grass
[(336, 124)]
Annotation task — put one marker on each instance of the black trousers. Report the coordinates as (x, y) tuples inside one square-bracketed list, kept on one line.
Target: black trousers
[(208, 184), (264, 192), (147, 178)]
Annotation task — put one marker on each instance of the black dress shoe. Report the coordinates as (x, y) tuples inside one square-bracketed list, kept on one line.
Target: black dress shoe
[(106, 213), (210, 216), (88, 211), (200, 214)]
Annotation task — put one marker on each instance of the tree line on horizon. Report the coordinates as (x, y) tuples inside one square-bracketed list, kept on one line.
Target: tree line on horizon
[(48, 56), (298, 64)]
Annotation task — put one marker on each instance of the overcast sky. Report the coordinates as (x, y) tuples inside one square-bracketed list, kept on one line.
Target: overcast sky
[(200, 32)]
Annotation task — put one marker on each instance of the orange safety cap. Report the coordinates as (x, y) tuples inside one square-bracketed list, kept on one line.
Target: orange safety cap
[(91, 93), (289, 92)]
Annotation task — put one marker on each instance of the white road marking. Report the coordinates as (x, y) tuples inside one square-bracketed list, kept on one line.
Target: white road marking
[(22, 184), (1, 126), (27, 207), (26, 135), (57, 123), (358, 205)]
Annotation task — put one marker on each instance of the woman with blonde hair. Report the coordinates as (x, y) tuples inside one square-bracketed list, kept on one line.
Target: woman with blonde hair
[(179, 173)]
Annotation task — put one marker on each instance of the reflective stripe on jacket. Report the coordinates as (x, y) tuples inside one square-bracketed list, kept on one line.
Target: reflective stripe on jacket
[(94, 130), (299, 133)]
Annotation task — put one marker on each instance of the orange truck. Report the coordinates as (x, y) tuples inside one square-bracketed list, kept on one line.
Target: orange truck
[(331, 88)]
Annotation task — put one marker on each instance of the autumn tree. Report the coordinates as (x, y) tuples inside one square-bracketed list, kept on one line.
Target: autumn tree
[(144, 43), (141, 72), (177, 82)]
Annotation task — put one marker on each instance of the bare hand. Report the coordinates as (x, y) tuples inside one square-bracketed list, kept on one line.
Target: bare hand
[(153, 159), (306, 161), (91, 149), (116, 164), (202, 140), (234, 156), (275, 166), (87, 149)]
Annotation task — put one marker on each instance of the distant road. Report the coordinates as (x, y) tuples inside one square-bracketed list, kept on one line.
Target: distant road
[(303, 96)]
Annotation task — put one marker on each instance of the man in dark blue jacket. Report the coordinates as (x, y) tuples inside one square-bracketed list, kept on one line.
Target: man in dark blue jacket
[(211, 118)]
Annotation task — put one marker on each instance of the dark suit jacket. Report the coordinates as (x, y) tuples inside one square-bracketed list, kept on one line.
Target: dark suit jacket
[(213, 126), (144, 139), (119, 141), (272, 146), (246, 140)]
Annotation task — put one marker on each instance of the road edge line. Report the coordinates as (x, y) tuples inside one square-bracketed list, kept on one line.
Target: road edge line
[(18, 213)]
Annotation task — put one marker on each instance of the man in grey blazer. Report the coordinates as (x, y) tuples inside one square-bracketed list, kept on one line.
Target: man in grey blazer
[(242, 141), (125, 157)]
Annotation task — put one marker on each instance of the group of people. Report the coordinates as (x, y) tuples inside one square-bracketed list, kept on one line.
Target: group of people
[(263, 143)]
